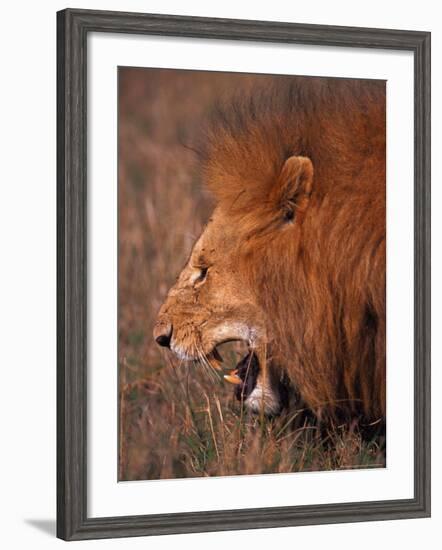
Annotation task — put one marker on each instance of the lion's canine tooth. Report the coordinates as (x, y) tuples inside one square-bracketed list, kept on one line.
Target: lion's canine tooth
[(233, 379), (214, 361)]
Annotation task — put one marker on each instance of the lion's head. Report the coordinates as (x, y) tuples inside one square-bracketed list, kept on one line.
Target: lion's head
[(215, 298)]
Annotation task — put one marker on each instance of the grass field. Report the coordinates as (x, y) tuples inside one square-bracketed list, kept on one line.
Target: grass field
[(177, 421)]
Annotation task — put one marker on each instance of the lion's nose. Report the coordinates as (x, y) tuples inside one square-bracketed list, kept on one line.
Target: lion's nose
[(163, 334)]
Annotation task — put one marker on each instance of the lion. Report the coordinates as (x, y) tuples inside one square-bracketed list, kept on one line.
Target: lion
[(292, 260)]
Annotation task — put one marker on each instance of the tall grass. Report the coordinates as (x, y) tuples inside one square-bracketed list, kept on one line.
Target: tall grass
[(180, 424), (177, 420)]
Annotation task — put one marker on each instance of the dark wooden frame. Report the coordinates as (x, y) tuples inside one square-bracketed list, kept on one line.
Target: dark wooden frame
[(73, 27)]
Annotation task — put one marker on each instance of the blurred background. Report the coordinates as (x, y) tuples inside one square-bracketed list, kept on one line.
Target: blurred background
[(181, 422)]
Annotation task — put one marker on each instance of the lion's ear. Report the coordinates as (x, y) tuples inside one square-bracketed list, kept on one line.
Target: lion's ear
[(295, 185)]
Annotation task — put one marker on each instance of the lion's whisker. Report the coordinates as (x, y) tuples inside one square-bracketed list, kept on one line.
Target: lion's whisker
[(205, 362)]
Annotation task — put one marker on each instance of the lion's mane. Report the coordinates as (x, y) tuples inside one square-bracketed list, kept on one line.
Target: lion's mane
[(324, 293)]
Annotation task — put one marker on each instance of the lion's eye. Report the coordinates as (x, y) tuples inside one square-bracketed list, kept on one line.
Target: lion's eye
[(203, 274), (289, 215)]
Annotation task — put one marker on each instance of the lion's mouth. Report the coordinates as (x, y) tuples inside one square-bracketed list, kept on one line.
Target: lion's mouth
[(246, 363)]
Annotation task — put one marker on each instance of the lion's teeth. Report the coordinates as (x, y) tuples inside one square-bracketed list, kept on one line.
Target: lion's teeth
[(233, 379), (214, 362)]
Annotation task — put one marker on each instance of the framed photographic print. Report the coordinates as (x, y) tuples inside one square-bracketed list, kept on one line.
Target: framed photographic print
[(243, 274)]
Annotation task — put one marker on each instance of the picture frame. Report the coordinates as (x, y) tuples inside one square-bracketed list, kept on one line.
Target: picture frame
[(73, 28)]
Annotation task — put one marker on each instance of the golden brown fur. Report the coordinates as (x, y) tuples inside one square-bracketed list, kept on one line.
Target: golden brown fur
[(297, 247)]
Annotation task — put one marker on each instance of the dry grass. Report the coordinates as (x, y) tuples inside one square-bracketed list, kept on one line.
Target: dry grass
[(179, 421), (179, 424)]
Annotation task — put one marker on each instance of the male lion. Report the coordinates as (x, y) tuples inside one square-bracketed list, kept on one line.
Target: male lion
[(292, 260)]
